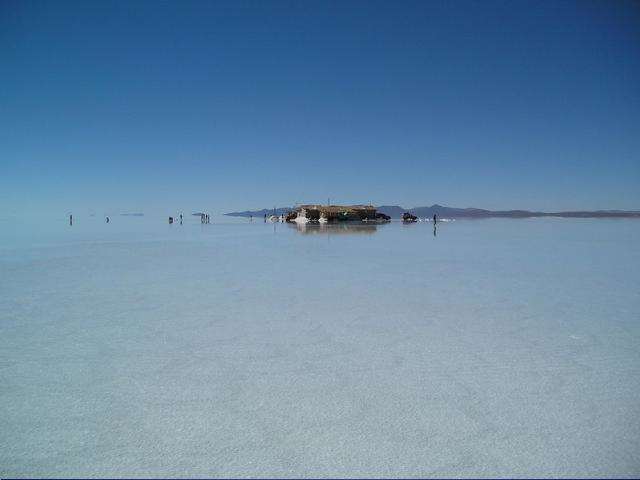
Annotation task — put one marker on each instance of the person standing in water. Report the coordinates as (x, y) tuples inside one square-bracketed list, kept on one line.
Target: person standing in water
[(435, 218), (70, 220), (180, 219), (107, 219)]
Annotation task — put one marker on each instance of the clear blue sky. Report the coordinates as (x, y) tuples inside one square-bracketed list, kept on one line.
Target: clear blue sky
[(138, 106)]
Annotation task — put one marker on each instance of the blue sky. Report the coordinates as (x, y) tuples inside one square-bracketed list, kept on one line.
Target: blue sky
[(153, 106)]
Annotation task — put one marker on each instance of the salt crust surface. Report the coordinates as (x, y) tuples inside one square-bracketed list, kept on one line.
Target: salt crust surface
[(498, 348)]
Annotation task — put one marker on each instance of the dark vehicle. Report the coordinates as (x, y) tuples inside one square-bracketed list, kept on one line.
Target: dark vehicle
[(408, 218), (291, 216)]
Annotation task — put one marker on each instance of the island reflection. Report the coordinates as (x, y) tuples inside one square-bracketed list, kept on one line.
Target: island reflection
[(345, 228)]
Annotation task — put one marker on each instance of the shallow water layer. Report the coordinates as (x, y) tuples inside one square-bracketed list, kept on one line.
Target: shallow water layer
[(499, 348)]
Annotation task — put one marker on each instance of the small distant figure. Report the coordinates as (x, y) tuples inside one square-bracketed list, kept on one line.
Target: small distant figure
[(251, 218), (170, 220), (70, 220), (107, 219), (180, 219), (435, 218), (265, 218)]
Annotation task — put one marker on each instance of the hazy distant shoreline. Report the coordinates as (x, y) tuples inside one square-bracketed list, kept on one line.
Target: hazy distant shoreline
[(396, 211)]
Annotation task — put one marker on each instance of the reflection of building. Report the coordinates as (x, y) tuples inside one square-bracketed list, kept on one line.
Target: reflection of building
[(348, 228), (337, 213)]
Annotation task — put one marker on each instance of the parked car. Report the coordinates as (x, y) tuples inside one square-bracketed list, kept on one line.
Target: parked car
[(409, 218)]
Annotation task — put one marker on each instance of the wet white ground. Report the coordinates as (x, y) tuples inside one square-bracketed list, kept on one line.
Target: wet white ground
[(500, 348)]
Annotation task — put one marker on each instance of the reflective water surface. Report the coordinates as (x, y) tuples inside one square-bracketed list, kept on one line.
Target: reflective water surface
[(499, 348)]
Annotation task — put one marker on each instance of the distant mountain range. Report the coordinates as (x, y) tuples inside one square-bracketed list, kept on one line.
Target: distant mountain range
[(261, 213), (395, 211)]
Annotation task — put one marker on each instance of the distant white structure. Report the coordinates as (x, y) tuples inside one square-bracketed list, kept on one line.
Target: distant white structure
[(301, 218)]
